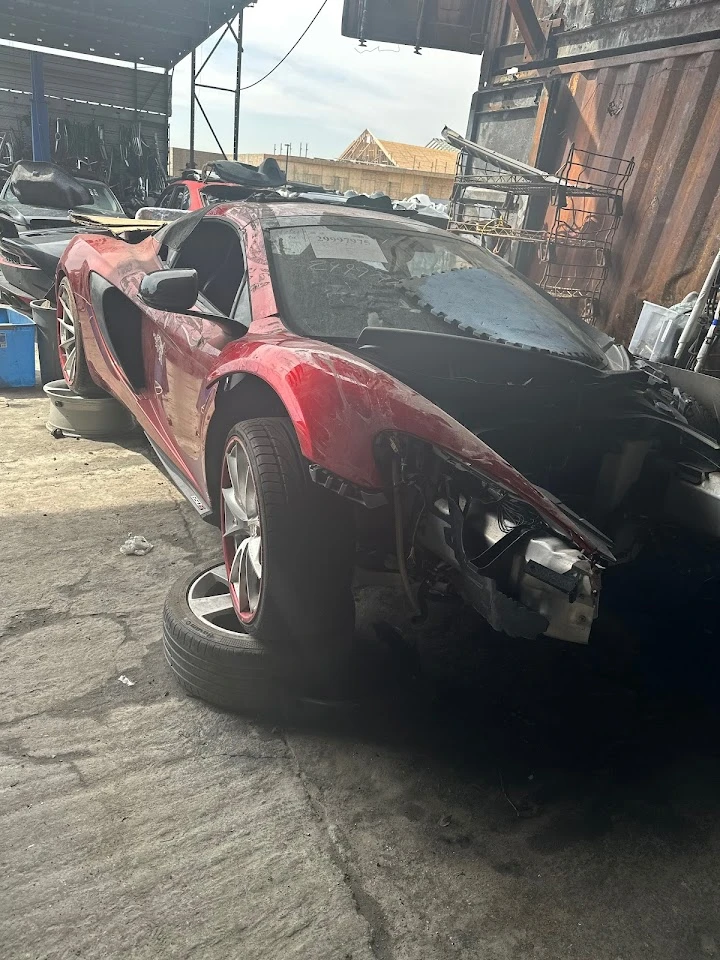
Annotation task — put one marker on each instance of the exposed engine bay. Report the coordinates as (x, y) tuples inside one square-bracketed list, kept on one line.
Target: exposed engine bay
[(616, 451)]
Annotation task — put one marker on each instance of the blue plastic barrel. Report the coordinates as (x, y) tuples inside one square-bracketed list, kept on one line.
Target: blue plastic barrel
[(17, 349)]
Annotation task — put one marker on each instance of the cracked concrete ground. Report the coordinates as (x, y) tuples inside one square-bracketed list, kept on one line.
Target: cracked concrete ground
[(495, 800)]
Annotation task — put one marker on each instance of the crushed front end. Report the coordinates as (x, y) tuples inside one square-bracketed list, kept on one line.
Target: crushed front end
[(457, 530)]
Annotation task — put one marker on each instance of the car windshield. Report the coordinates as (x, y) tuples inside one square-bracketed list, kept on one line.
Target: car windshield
[(217, 192), (103, 199), (336, 278)]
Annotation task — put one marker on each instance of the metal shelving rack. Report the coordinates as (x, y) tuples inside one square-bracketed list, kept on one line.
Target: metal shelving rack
[(586, 199)]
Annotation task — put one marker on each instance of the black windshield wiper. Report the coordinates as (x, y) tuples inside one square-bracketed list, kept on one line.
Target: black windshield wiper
[(338, 341)]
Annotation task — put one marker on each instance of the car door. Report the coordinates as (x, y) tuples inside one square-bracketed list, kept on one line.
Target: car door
[(167, 200), (186, 346), (182, 198)]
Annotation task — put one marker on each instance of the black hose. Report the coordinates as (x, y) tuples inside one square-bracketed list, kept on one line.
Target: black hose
[(399, 539)]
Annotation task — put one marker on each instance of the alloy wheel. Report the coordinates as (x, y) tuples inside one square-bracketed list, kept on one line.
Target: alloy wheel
[(66, 334), (242, 536), (209, 600)]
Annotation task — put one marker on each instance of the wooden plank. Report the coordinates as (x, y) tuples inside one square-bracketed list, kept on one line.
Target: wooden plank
[(529, 26), (600, 63)]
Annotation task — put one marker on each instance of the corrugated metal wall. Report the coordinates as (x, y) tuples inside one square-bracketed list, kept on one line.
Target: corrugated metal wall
[(85, 91), (665, 112)]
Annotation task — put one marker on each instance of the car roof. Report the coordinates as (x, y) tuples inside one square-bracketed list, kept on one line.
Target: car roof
[(290, 213), (201, 184), (97, 183), (274, 211)]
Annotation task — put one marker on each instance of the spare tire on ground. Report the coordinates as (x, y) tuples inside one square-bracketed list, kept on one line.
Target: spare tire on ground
[(210, 653)]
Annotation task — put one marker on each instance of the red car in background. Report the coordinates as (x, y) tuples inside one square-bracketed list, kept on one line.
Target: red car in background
[(338, 388), (193, 194), (222, 180)]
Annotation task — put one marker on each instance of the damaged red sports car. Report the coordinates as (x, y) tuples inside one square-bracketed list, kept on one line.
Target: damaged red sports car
[(340, 388)]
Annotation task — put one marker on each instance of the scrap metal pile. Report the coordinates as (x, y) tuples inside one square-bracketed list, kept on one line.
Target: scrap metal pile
[(134, 168)]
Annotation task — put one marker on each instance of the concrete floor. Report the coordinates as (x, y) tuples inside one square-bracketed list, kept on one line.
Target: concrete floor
[(497, 801)]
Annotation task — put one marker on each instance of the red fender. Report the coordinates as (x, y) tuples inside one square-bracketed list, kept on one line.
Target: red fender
[(339, 404)]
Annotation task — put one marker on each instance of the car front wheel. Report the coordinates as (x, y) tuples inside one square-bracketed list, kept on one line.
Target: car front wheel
[(72, 355), (288, 549)]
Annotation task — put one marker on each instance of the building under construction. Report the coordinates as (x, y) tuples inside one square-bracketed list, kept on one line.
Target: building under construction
[(366, 165)]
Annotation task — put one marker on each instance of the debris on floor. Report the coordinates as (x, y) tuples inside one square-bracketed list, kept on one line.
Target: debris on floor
[(136, 546)]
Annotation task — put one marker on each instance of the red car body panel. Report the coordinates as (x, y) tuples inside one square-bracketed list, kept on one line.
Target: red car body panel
[(179, 351), (338, 403), (195, 188)]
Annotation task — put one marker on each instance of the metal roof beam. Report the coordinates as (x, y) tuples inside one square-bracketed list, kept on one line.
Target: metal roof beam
[(159, 33), (529, 26)]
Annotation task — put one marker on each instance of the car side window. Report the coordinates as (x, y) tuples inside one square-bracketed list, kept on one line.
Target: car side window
[(166, 200), (182, 200), (242, 313), (214, 250)]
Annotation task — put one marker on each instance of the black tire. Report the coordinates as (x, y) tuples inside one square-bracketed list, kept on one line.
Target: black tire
[(232, 670), (79, 381), (306, 609)]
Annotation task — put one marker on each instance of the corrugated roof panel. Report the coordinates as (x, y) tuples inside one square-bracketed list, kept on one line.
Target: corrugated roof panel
[(159, 33), (86, 81)]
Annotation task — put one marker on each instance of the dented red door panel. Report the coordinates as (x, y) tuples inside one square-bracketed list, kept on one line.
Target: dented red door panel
[(170, 343)]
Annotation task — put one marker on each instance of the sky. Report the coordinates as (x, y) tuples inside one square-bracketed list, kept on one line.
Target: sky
[(327, 92)]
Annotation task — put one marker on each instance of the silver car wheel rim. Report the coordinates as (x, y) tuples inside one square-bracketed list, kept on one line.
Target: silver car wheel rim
[(68, 344), (210, 601), (241, 526)]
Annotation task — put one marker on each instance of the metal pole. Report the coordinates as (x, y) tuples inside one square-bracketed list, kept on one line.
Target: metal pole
[(39, 120), (287, 158), (212, 131), (168, 112), (239, 38), (191, 160)]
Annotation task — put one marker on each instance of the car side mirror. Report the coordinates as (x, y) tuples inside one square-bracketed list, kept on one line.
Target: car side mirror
[(173, 290)]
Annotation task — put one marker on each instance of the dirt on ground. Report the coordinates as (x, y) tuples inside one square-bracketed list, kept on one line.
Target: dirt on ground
[(488, 799)]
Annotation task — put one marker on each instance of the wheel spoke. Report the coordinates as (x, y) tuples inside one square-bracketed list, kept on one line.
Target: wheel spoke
[(220, 574), (241, 528), (249, 498), (252, 578), (67, 335), (232, 466), (255, 555), (236, 575), (237, 516), (206, 606), (246, 573), (210, 601)]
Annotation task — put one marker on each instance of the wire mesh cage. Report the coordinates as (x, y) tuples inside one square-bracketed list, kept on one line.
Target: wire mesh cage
[(585, 206)]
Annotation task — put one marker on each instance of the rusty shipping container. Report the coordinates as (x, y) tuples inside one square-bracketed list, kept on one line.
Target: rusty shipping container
[(665, 112), (628, 78)]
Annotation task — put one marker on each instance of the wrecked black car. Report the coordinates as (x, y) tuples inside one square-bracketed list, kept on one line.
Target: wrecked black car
[(36, 226)]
